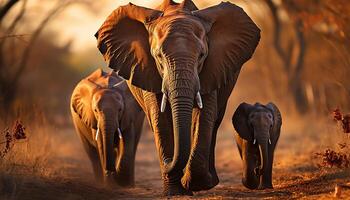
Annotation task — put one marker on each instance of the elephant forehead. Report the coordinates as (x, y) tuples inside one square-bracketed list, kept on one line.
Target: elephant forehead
[(179, 31), (260, 113), (261, 117), (106, 96), (186, 24), (260, 107)]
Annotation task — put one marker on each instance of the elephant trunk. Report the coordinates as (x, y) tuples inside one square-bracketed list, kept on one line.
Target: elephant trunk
[(181, 92), (263, 158), (262, 138), (108, 130)]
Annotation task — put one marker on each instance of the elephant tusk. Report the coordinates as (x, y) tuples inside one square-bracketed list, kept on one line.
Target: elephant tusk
[(163, 104), (254, 142), (119, 133), (97, 132), (269, 141), (199, 100), (118, 84)]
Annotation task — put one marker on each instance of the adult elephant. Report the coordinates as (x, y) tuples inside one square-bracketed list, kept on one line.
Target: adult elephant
[(177, 54)]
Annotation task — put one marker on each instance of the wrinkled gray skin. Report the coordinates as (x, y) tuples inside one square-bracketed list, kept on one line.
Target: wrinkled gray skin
[(259, 124), (103, 102)]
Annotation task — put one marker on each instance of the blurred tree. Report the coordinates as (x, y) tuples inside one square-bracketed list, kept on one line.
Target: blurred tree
[(13, 61), (293, 63), (326, 22), (6, 8)]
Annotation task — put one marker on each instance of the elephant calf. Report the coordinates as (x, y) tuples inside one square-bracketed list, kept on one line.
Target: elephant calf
[(258, 129), (109, 121)]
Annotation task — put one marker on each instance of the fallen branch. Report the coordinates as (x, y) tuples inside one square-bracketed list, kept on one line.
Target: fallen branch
[(339, 188)]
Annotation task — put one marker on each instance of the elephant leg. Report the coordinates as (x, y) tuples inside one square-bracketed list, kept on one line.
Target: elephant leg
[(266, 178), (161, 124), (94, 159), (197, 175), (223, 95), (125, 162), (107, 176), (90, 150), (250, 156), (127, 151), (126, 175), (212, 168), (239, 145), (138, 124)]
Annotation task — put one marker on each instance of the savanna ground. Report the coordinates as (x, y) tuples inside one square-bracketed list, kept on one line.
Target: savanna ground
[(56, 167)]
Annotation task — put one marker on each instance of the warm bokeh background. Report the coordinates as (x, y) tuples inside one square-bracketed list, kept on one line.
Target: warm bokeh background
[(302, 64)]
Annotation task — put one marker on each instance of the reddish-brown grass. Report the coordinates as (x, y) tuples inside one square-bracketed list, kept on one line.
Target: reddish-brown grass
[(11, 137)]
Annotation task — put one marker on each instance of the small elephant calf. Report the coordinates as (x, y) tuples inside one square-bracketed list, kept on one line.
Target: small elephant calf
[(258, 129), (109, 121)]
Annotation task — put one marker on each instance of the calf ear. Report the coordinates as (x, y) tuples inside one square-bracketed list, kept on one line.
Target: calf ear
[(240, 121), (277, 118), (81, 104)]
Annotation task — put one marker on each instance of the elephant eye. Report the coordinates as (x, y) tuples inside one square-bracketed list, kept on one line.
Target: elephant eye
[(251, 125), (252, 115), (159, 55), (201, 55)]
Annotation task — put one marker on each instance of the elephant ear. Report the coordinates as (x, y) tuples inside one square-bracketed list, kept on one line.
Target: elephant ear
[(240, 121), (232, 39), (123, 41), (277, 118), (81, 102)]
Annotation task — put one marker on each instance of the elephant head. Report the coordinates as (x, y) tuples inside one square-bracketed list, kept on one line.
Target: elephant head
[(108, 107), (179, 52), (259, 125)]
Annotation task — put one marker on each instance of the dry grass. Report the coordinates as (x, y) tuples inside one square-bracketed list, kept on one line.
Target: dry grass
[(343, 119), (332, 158), (11, 137), (25, 152), (339, 157)]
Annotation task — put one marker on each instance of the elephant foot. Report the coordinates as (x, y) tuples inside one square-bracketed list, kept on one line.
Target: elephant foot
[(125, 183), (109, 179), (124, 180), (173, 187), (198, 182), (250, 183), (215, 178), (265, 186), (176, 190)]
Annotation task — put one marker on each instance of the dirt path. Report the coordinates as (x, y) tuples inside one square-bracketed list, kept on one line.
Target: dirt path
[(295, 176)]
